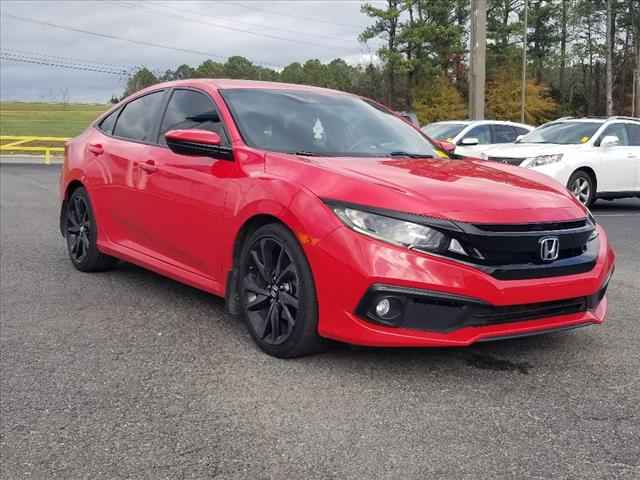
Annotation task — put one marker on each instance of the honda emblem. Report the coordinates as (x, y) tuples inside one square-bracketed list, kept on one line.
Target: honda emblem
[(549, 249)]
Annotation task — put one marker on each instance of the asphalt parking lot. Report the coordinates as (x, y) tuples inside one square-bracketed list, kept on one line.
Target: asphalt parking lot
[(127, 374)]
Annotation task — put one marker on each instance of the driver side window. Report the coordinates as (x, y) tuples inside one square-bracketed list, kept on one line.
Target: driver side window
[(616, 130), (188, 109), (481, 132)]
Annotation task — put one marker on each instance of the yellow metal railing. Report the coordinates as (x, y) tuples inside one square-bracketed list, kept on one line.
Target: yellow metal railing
[(21, 144)]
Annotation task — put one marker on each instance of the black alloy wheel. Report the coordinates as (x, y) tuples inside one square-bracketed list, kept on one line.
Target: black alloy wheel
[(80, 231), (277, 293)]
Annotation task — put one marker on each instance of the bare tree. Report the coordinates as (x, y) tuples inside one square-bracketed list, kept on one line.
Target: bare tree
[(609, 81)]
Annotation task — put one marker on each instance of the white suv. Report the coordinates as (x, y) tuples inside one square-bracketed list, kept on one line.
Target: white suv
[(469, 138), (593, 157)]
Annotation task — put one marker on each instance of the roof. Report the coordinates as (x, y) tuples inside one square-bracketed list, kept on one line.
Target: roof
[(478, 122), (228, 83)]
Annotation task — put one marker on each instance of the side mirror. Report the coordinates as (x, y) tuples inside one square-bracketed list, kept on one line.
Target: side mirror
[(447, 147), (610, 141), (469, 141), (519, 137), (197, 143)]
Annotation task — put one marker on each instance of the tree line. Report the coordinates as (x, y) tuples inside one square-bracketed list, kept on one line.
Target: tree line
[(423, 61)]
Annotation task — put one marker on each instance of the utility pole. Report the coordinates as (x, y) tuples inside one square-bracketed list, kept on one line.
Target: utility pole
[(477, 70), (634, 92), (523, 94), (609, 83), (636, 103)]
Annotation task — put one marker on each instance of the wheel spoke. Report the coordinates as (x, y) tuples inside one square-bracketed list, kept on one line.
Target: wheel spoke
[(289, 299), (275, 321), (267, 259), (250, 285), (259, 265), (278, 266), (260, 323), (258, 303), (286, 314), (73, 229), (291, 269), (74, 243), (77, 210)]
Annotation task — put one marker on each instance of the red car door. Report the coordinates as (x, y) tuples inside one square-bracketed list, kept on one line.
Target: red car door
[(184, 196), (118, 163)]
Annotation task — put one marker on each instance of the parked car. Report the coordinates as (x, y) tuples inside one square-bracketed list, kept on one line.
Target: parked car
[(471, 138), (322, 215), (594, 157)]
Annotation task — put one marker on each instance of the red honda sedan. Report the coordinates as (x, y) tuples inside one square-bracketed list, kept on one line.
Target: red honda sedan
[(321, 215)]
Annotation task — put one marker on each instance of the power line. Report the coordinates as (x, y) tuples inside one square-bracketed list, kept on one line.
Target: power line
[(8, 56), (297, 17), (249, 24), (129, 40), (69, 59), (177, 14)]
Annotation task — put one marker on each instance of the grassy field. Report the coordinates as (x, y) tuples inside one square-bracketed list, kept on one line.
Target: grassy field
[(46, 119)]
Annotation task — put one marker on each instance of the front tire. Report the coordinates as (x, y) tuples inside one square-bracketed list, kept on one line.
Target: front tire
[(277, 294), (80, 232), (582, 186)]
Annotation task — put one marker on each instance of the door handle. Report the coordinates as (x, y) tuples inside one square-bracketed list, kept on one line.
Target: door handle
[(149, 166), (96, 148)]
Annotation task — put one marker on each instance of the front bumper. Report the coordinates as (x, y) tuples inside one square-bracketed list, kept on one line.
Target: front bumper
[(448, 303)]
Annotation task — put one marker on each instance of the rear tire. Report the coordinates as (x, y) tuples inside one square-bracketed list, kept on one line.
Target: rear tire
[(81, 232), (582, 185), (277, 294)]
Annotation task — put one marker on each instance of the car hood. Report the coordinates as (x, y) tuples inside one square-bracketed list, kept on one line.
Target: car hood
[(526, 150), (462, 190)]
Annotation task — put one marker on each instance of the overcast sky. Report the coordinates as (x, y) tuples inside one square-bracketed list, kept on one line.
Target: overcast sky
[(306, 29)]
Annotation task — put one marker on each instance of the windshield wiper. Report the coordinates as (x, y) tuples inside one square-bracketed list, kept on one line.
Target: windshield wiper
[(305, 153), (400, 153)]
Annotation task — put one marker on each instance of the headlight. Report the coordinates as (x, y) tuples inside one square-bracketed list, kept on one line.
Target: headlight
[(400, 232), (541, 160), (392, 230)]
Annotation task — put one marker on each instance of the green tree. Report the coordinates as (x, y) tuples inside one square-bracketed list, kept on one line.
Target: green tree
[(142, 78), (386, 23), (315, 73), (240, 67), (209, 69), (292, 73)]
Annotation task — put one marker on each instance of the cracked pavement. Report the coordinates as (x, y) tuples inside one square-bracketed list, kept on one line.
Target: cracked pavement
[(130, 375)]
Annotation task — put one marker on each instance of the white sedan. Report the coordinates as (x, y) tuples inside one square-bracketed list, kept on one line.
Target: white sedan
[(593, 157), (469, 138)]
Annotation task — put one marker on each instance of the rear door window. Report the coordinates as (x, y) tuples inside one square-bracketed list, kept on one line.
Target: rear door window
[(138, 119), (106, 125), (503, 134), (189, 109), (633, 129)]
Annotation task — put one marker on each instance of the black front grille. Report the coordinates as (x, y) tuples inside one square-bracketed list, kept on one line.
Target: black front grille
[(507, 160), (518, 313), (512, 251), (530, 227)]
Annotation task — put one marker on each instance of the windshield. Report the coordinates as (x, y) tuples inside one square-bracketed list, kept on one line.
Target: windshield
[(317, 123), (564, 133), (443, 131)]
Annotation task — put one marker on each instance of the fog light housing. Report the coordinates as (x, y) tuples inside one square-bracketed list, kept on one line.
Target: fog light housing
[(383, 307), (387, 310)]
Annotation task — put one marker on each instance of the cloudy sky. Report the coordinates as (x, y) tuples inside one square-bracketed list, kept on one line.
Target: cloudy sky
[(268, 32)]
